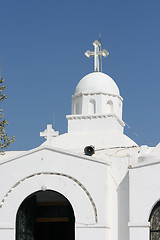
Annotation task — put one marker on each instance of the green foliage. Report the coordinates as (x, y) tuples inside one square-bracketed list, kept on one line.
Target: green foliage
[(4, 139)]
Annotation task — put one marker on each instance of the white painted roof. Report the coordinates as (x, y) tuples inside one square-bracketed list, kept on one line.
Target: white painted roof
[(76, 142), (97, 82)]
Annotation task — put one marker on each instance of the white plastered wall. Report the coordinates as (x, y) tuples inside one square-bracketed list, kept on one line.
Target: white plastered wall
[(75, 178), (94, 123), (144, 194)]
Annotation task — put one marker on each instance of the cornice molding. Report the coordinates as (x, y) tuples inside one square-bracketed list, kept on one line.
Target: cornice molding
[(95, 116), (98, 93)]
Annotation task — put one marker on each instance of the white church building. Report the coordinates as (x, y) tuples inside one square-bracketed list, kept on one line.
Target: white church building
[(91, 183)]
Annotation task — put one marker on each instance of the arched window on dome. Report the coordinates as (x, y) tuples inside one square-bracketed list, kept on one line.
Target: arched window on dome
[(120, 110), (109, 107), (92, 106), (155, 222), (73, 107), (77, 108)]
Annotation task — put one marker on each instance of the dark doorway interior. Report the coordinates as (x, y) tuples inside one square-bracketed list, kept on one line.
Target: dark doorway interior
[(45, 216), (50, 231)]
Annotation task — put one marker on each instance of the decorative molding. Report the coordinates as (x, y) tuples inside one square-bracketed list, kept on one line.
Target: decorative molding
[(149, 160), (45, 146), (98, 93), (139, 224), (95, 116), (92, 227), (6, 226), (56, 174)]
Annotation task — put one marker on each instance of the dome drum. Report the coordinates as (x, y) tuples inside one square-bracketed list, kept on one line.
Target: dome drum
[(97, 104), (98, 100)]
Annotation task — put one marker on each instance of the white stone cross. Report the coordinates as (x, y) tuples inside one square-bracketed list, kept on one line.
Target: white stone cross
[(49, 133), (96, 53)]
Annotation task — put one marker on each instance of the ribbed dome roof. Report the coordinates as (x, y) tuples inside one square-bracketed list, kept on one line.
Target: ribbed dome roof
[(97, 82)]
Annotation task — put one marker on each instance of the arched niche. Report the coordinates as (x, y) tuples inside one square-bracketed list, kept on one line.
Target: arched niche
[(77, 107), (45, 215), (109, 107), (85, 210), (92, 106)]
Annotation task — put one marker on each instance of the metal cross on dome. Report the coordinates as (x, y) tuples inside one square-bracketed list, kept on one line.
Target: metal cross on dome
[(49, 133), (96, 53)]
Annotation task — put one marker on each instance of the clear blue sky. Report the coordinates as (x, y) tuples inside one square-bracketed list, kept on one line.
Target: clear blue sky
[(42, 44)]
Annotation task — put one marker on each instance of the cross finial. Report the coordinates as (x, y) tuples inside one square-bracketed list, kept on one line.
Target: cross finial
[(49, 133), (96, 53)]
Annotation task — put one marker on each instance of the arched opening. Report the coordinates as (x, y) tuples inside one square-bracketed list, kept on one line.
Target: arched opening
[(77, 108), (155, 222), (45, 215), (109, 107), (92, 106), (120, 110)]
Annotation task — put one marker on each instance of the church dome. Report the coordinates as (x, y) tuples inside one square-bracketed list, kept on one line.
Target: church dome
[(97, 82)]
